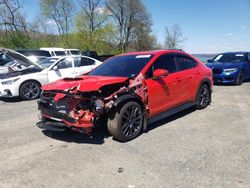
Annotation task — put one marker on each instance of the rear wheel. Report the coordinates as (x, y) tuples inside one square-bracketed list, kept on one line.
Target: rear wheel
[(30, 90), (240, 78), (126, 122), (203, 98)]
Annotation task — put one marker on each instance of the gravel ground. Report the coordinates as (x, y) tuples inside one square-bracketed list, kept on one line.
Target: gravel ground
[(207, 148)]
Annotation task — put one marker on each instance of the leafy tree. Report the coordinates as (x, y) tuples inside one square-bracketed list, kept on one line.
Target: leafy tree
[(61, 13)]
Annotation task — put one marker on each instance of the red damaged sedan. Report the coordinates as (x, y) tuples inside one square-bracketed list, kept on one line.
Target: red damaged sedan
[(127, 93)]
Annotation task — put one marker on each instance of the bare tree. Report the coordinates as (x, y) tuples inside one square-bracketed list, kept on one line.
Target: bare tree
[(60, 12), (11, 17), (126, 14), (91, 18), (174, 37), (94, 12)]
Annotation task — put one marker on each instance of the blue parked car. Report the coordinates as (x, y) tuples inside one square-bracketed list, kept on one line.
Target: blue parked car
[(230, 67)]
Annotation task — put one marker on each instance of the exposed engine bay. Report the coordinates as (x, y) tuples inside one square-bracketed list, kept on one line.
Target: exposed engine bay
[(83, 110)]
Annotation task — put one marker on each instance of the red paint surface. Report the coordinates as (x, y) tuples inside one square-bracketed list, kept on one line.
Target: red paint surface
[(158, 95)]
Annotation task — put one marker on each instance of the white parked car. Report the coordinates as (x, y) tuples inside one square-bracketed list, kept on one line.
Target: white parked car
[(11, 61), (27, 83), (72, 51), (55, 51)]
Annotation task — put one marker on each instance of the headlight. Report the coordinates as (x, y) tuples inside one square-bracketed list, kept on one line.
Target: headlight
[(9, 82), (230, 71)]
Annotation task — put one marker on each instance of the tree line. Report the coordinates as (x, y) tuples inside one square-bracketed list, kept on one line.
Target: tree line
[(106, 26)]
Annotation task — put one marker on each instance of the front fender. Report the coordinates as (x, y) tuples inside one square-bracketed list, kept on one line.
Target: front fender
[(130, 97)]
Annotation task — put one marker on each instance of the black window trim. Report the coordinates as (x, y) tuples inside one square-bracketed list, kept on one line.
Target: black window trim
[(152, 65), (185, 56)]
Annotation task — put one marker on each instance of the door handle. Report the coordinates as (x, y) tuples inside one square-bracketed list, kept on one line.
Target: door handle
[(178, 79), (190, 76), (198, 72)]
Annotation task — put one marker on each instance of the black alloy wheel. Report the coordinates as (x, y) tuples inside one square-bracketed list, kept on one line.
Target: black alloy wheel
[(240, 78), (204, 97), (126, 122), (131, 121)]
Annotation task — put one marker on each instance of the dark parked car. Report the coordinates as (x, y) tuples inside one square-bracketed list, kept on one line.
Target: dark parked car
[(231, 67), (94, 55)]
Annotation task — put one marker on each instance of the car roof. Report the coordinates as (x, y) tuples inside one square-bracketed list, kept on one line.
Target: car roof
[(53, 49), (237, 52), (154, 52), (72, 49)]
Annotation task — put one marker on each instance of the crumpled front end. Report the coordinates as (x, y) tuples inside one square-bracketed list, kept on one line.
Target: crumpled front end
[(83, 110), (61, 110)]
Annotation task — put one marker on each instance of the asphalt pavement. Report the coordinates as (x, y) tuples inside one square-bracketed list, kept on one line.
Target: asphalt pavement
[(194, 148)]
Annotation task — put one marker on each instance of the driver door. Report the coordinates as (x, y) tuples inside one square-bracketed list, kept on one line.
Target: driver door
[(163, 93), (62, 69)]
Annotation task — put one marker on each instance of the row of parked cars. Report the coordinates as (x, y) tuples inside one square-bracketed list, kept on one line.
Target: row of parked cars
[(126, 93), (22, 77)]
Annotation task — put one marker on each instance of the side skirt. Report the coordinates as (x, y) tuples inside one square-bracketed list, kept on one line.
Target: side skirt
[(170, 112)]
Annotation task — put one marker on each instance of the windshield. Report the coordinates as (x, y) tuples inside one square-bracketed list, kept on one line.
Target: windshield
[(47, 62), (122, 66), (60, 53), (230, 58)]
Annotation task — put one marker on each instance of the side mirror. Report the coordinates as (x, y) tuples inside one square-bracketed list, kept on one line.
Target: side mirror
[(209, 60), (55, 67), (160, 73)]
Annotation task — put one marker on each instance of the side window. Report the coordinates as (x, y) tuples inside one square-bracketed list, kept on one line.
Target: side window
[(248, 57), (185, 63), (77, 61), (84, 62), (166, 62), (64, 64)]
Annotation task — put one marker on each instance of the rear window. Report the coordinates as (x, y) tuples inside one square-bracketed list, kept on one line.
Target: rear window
[(60, 53), (75, 52)]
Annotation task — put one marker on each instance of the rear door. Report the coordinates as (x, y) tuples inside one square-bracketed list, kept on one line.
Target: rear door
[(163, 93), (190, 75), (62, 69)]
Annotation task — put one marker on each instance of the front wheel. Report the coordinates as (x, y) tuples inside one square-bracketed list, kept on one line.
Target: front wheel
[(30, 90), (203, 98), (126, 122), (240, 78)]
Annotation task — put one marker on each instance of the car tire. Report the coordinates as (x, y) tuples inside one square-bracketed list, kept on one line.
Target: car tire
[(125, 123), (30, 90), (240, 78), (203, 98)]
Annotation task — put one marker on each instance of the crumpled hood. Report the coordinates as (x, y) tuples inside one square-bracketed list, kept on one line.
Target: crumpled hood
[(84, 83), (218, 65)]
